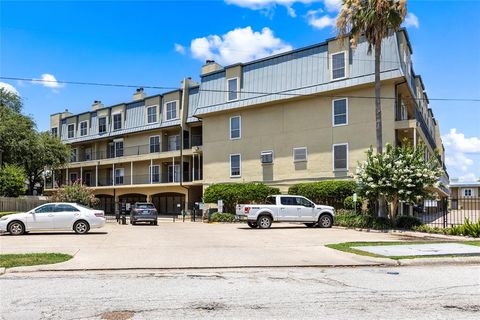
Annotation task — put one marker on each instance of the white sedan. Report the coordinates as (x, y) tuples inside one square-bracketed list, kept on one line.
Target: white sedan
[(53, 216)]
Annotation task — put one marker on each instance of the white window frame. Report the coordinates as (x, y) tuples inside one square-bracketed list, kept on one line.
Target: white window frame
[(115, 141), (83, 135), (113, 121), (177, 142), (151, 173), (465, 192), (239, 127), (173, 167), (74, 151), (106, 124), (344, 66), (333, 156), (122, 170), (266, 152), (239, 165), (166, 110), (333, 113), (306, 154), (237, 91), (89, 153), (156, 114), (159, 143), (68, 131)]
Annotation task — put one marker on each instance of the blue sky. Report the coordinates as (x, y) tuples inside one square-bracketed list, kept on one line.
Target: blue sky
[(160, 42)]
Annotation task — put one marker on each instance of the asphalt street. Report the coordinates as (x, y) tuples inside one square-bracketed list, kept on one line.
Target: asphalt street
[(440, 292)]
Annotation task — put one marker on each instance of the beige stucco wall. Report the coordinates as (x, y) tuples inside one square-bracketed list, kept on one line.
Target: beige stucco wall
[(283, 126)]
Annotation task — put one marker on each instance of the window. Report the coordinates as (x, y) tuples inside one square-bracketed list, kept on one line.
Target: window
[(88, 179), (55, 132), (152, 114), (304, 202), (233, 89), (340, 156), (71, 131), (119, 175), (270, 200), (65, 207), (171, 110), (235, 165), (118, 148), (154, 144), (299, 154), (235, 127), (467, 192), (74, 155), (338, 65), (46, 209), (83, 128), (340, 112), (102, 125), (266, 157), (173, 143), (73, 177), (117, 121), (155, 174), (288, 201), (88, 154), (174, 173)]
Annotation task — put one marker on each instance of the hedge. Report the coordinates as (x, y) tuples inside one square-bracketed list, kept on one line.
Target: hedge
[(329, 192), (350, 219), (235, 193), (222, 217)]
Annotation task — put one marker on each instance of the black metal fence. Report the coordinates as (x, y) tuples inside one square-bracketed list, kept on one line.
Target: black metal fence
[(448, 212)]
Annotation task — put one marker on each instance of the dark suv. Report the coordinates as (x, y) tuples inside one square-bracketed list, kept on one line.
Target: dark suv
[(143, 212)]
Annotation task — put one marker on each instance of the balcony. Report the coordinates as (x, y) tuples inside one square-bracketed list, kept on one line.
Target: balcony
[(425, 130)]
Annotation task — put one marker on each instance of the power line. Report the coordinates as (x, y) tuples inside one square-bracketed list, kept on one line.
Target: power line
[(281, 93)]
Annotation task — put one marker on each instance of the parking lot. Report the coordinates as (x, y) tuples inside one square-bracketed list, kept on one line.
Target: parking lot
[(188, 244)]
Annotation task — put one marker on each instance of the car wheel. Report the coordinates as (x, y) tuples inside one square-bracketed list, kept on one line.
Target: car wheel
[(133, 223), (252, 224), (155, 223), (310, 225), (81, 227), (325, 221), (16, 228), (264, 222)]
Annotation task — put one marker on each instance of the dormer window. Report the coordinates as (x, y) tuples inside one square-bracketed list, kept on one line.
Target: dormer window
[(83, 128), (152, 114), (171, 110), (71, 130), (337, 63), (117, 121)]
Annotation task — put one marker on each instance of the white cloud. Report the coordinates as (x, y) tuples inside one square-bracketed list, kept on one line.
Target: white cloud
[(333, 5), (469, 177), (9, 88), (238, 45), (459, 151), (411, 20), (267, 6), (320, 22), (48, 80), (179, 48)]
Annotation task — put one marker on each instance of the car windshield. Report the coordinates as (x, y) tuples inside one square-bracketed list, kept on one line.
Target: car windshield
[(145, 206)]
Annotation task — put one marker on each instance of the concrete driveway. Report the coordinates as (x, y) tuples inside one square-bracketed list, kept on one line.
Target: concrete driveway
[(192, 245)]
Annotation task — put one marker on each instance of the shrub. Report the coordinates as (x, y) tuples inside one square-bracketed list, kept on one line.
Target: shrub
[(407, 222), (12, 181), (331, 192), (466, 229), (223, 217), (77, 193), (234, 193), (351, 219), (349, 204)]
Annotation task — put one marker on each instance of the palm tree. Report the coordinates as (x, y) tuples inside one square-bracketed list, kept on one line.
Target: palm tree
[(375, 19)]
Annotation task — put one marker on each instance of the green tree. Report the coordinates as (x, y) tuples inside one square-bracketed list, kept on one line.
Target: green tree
[(10, 100), (77, 193), (399, 174), (44, 151), (375, 19), (12, 181)]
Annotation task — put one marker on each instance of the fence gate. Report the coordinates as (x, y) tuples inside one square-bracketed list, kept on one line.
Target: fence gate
[(448, 212)]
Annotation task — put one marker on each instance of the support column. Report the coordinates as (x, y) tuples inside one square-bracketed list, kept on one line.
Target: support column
[(193, 167), (53, 179), (151, 167), (113, 174), (45, 178), (131, 172), (96, 175), (81, 175), (173, 168), (67, 178), (415, 138)]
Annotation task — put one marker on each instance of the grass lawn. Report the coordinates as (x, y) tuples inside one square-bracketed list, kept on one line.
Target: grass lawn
[(347, 247), (31, 259), (5, 213)]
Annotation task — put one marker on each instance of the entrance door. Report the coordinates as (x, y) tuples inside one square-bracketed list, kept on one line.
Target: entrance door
[(107, 204), (169, 203)]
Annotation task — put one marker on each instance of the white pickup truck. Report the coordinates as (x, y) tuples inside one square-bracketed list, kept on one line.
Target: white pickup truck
[(286, 208)]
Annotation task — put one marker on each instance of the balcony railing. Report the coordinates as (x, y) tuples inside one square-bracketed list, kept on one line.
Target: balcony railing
[(425, 130), (125, 152), (138, 179)]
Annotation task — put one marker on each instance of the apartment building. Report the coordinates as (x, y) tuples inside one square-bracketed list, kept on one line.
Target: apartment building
[(299, 116)]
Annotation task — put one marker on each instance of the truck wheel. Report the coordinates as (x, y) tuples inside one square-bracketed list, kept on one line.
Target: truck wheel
[(325, 221), (252, 224), (310, 225), (264, 222)]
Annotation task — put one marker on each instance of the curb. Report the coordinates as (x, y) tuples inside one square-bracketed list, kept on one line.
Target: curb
[(440, 261), (410, 233)]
